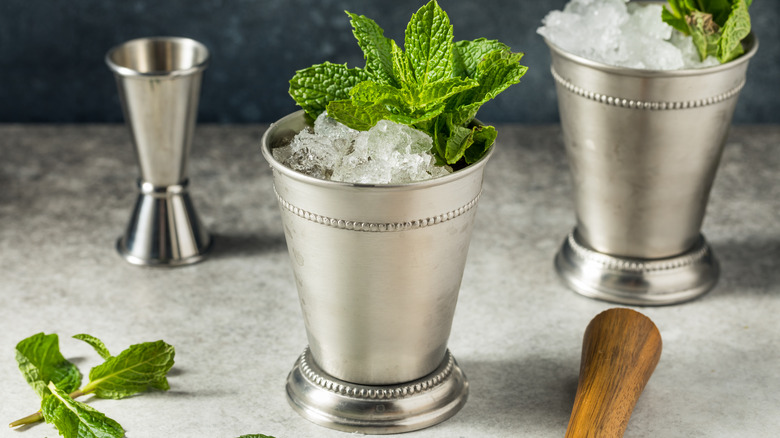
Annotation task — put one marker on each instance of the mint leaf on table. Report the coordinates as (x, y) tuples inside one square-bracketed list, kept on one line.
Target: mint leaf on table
[(138, 368), (77, 420), (433, 84), (717, 27), (41, 362), (96, 343)]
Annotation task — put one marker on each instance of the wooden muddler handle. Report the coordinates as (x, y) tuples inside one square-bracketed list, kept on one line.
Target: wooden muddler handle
[(620, 350)]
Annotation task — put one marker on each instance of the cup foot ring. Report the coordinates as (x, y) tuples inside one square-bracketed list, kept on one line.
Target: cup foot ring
[(384, 409), (633, 281)]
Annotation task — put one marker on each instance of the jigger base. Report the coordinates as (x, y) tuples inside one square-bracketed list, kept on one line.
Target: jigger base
[(350, 407), (164, 230), (632, 281)]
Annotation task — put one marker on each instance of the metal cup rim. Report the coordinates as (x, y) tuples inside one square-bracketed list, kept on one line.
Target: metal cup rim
[(279, 167), (129, 72), (750, 43)]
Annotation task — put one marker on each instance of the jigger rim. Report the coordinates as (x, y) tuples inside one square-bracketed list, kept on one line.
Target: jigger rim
[(183, 41)]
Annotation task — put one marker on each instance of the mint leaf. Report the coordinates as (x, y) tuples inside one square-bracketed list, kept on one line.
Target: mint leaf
[(496, 72), (312, 88), (717, 27), (439, 91), (370, 92), (138, 368), (428, 43), (674, 15), (77, 420), (468, 54), (484, 137), (705, 33), (355, 115), (402, 66), (736, 28), (377, 49), (41, 362), (459, 140), (433, 84), (96, 343)]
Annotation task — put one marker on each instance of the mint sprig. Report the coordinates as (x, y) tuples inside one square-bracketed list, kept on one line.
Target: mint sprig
[(75, 419), (138, 368), (41, 362), (716, 26), (433, 84)]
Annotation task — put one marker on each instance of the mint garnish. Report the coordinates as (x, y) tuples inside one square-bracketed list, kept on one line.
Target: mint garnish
[(433, 84), (716, 26), (75, 419), (136, 369), (140, 367), (41, 362)]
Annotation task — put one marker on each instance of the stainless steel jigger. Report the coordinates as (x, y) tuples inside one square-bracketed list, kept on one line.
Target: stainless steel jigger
[(159, 84)]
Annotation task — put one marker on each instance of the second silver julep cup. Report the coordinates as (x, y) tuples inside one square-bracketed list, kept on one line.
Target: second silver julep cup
[(378, 270), (159, 82), (643, 149)]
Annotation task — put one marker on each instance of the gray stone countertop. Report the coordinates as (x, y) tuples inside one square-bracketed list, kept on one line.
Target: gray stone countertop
[(66, 193)]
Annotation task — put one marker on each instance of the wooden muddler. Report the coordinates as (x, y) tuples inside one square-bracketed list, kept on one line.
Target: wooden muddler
[(620, 350)]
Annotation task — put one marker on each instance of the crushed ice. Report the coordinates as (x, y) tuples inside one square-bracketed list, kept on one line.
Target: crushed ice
[(624, 35), (388, 153)]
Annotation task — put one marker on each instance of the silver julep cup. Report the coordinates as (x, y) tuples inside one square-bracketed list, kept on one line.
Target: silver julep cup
[(643, 149), (378, 270), (159, 81)]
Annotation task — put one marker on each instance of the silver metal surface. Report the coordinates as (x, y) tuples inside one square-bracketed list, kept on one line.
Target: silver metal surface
[(159, 86), (637, 281), (164, 229), (378, 267), (386, 409), (643, 148)]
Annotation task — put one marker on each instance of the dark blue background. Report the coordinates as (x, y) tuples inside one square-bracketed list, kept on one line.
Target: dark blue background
[(52, 68)]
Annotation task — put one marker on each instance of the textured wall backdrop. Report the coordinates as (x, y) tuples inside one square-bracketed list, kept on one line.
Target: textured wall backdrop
[(52, 69)]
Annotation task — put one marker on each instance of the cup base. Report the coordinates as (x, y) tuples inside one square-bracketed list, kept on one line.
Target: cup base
[(385, 409), (164, 230), (632, 281)]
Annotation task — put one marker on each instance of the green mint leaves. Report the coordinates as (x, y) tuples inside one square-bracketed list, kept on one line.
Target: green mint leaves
[(716, 26), (433, 84), (41, 362), (136, 369), (96, 343), (75, 419), (314, 87)]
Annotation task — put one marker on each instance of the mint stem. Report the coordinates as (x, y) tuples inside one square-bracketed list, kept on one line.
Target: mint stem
[(30, 419), (38, 416)]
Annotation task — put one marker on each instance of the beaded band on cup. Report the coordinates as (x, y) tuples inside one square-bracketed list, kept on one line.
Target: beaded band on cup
[(312, 373), (375, 226), (638, 104), (611, 262)]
